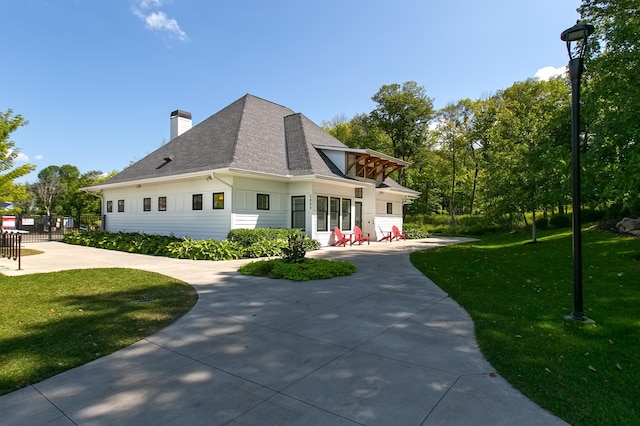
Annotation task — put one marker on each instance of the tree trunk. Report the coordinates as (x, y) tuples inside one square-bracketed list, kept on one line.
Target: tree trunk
[(534, 238)]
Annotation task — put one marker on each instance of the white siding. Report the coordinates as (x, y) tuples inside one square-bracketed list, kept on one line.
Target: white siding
[(179, 219)]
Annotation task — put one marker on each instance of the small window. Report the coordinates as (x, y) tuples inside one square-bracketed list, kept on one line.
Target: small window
[(146, 204), (218, 200), (263, 202), (323, 213), (162, 204), (120, 206), (109, 206), (389, 208), (358, 192), (196, 203)]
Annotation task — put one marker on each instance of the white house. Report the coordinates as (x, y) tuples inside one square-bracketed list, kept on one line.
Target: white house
[(254, 164)]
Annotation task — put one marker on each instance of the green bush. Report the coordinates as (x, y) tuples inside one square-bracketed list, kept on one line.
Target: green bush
[(261, 243), (308, 269), (416, 233), (264, 248), (205, 250), (294, 251), (559, 221), (247, 237), (542, 223)]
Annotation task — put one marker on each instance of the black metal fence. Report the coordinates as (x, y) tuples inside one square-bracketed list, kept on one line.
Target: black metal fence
[(49, 228)]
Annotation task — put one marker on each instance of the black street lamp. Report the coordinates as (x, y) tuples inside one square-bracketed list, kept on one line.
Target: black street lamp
[(578, 32)]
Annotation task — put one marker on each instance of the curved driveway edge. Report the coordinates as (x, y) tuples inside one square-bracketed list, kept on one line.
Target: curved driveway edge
[(384, 346)]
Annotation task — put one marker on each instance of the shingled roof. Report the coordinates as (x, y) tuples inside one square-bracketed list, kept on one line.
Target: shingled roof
[(250, 134)]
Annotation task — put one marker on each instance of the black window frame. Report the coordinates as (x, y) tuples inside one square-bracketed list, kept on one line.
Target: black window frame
[(322, 211), (262, 201), (216, 196), (345, 214), (146, 204), (389, 208), (196, 202), (120, 206), (298, 211), (110, 206), (162, 204), (334, 213)]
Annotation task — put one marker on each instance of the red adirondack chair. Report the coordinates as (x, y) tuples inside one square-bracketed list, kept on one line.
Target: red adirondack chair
[(396, 234), (340, 240), (359, 237)]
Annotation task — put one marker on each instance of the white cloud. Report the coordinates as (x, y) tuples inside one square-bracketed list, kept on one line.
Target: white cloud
[(549, 72), (157, 20), (38, 157), (22, 157)]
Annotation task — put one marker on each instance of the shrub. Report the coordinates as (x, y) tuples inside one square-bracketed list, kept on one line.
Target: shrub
[(294, 251), (308, 269), (205, 250), (416, 233), (263, 248), (559, 221), (542, 223)]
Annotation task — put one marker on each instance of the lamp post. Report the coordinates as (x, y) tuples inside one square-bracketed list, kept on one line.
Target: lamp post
[(579, 32)]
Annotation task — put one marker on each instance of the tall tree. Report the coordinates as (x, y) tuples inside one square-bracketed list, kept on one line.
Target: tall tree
[(452, 133), (403, 113), (611, 103), (9, 190), (524, 147)]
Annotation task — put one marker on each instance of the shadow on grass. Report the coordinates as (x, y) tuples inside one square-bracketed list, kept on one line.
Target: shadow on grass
[(71, 330)]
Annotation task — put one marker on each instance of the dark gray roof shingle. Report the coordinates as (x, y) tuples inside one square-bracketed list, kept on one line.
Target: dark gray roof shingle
[(249, 134)]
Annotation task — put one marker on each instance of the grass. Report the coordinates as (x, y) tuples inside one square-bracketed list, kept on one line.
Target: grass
[(52, 322), (308, 269), (518, 295)]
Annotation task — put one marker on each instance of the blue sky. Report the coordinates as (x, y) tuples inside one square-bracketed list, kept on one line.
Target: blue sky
[(97, 80)]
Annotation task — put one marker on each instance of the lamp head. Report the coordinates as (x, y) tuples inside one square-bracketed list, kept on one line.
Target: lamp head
[(577, 32)]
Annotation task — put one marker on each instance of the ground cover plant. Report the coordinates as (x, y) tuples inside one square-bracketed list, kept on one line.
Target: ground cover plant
[(307, 269), (518, 295), (56, 321)]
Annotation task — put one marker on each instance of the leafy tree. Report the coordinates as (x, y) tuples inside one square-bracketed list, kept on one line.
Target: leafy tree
[(525, 148), (9, 190), (403, 113), (611, 104), (359, 132), (452, 133)]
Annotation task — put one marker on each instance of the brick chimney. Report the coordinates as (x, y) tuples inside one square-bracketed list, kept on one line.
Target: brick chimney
[(180, 123)]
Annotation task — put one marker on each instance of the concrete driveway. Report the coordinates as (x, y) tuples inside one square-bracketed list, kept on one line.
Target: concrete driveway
[(384, 346)]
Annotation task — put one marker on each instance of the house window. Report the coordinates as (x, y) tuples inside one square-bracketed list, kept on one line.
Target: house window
[(389, 208), (218, 200), (297, 212), (109, 206), (358, 213), (346, 214), (120, 206), (162, 204), (334, 212), (196, 202), (323, 213), (263, 202), (146, 204), (358, 192)]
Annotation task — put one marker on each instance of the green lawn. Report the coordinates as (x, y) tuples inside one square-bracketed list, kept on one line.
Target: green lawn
[(52, 322), (518, 296)]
